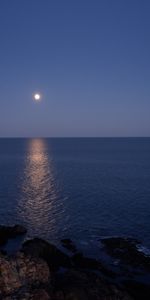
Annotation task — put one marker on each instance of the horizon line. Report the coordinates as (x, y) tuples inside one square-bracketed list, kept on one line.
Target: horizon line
[(73, 137)]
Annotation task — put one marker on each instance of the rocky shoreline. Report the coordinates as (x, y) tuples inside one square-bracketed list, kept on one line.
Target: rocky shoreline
[(41, 270)]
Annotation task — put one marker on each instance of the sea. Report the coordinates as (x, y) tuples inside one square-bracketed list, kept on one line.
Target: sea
[(78, 188)]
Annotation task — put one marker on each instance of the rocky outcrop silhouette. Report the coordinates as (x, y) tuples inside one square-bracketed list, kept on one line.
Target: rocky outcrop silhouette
[(42, 271)]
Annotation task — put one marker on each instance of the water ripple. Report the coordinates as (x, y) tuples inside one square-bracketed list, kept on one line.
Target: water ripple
[(39, 194)]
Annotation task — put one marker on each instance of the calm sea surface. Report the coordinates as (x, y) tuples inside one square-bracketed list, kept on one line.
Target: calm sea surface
[(78, 188)]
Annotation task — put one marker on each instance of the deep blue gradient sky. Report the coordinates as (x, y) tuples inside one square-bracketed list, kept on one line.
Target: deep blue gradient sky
[(89, 58)]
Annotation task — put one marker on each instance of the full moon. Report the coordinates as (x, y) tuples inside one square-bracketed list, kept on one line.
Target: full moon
[(37, 97)]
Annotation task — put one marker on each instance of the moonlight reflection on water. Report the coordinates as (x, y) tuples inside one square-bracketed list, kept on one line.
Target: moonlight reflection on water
[(38, 189)]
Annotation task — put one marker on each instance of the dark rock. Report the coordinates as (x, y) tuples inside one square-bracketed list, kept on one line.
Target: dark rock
[(69, 245), (126, 251), (138, 290), (17, 230), (59, 295), (40, 294), (83, 262), (67, 241), (3, 252), (21, 272), (77, 285), (3, 239), (9, 232), (53, 256)]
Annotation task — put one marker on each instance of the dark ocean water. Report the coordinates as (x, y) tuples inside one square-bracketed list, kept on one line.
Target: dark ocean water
[(78, 188)]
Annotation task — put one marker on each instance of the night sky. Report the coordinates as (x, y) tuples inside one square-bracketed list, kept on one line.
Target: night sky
[(90, 60)]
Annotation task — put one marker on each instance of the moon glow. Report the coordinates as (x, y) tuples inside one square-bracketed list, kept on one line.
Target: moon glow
[(37, 97)]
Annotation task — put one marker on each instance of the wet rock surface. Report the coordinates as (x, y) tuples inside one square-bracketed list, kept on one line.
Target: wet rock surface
[(126, 250), (50, 253), (42, 271), (83, 262), (69, 245)]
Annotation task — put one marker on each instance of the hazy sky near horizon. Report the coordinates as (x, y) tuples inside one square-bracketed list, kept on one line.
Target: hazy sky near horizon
[(90, 59)]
